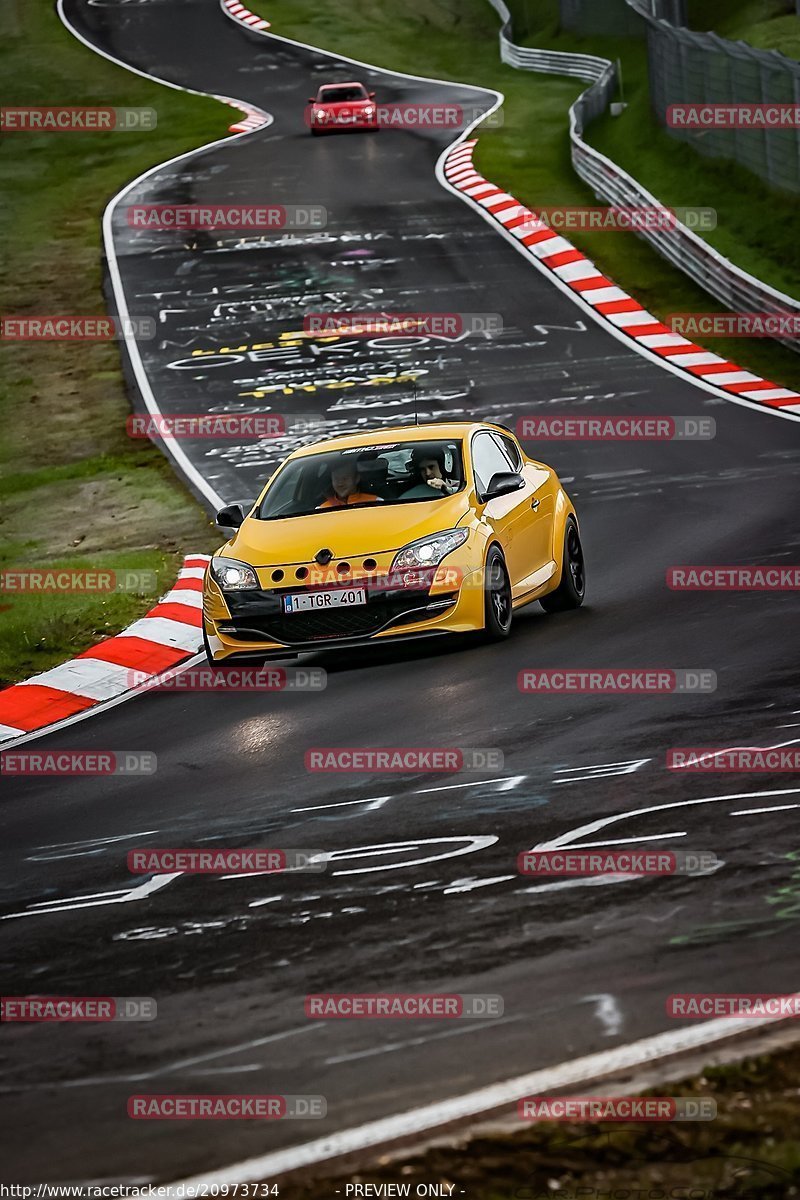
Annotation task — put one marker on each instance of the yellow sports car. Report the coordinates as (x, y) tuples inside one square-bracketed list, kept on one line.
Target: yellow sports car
[(401, 533)]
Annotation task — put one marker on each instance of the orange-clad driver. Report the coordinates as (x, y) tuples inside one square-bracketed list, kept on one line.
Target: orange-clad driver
[(345, 483)]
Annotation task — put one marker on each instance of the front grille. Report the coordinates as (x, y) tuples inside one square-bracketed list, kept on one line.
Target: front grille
[(313, 626), (307, 627)]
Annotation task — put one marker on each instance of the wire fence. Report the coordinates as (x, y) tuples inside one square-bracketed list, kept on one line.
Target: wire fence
[(699, 69), (599, 17), (737, 290), (686, 67)]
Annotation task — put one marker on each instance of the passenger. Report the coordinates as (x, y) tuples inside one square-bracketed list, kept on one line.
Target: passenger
[(345, 484), (429, 470)]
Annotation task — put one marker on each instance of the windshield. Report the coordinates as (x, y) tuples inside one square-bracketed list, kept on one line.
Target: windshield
[(361, 476), (336, 95)]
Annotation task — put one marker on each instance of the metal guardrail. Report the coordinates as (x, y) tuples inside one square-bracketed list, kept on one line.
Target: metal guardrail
[(717, 275)]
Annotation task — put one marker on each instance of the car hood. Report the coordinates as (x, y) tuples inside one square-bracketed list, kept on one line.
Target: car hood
[(347, 533)]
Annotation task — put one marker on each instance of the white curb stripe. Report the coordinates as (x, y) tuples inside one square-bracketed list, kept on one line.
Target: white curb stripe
[(733, 377), (166, 632), (578, 270), (90, 677), (8, 731), (774, 394), (633, 318), (192, 599)]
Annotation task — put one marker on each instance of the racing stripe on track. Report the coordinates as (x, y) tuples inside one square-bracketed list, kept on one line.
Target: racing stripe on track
[(580, 275), (166, 636)]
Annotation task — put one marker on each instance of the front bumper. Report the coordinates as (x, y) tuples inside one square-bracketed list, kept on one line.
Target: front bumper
[(254, 624), (342, 125)]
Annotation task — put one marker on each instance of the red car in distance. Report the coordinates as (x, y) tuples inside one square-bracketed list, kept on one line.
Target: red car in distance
[(342, 106)]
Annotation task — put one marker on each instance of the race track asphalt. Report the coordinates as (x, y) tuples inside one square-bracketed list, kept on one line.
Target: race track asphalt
[(580, 968)]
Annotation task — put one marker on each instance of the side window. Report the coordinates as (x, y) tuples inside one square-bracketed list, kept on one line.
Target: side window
[(487, 459), (512, 450)]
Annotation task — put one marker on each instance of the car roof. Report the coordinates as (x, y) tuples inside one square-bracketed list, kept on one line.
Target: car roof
[(344, 83), (434, 431)]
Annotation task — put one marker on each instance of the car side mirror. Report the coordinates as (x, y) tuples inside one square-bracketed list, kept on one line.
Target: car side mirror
[(311, 99), (502, 484), (230, 517), (372, 95)]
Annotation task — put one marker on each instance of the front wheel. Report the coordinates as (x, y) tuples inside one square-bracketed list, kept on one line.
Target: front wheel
[(497, 598), (572, 588)]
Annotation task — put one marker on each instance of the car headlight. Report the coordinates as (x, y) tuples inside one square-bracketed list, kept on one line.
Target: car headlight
[(429, 551), (233, 576), (320, 115), (369, 110)]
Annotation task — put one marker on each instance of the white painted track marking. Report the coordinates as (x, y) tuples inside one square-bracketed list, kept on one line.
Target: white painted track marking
[(422, 1120)]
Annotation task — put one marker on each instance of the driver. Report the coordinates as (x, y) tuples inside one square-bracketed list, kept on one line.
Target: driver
[(428, 466), (346, 486)]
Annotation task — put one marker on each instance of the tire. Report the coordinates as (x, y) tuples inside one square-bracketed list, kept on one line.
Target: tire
[(572, 588), (497, 598)]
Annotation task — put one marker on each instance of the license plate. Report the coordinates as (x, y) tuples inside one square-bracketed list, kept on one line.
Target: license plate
[(319, 601)]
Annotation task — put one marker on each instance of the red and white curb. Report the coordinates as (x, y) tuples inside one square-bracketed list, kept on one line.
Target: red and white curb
[(580, 275), (242, 14), (168, 634), (254, 118)]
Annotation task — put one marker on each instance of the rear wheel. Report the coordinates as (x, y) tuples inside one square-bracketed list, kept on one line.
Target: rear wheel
[(572, 588), (497, 598)]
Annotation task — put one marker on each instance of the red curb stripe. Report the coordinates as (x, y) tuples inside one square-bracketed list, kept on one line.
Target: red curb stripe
[(187, 585), (522, 219), (589, 284), (178, 612), (28, 706), (563, 257), (606, 307), (784, 403), (760, 385), (644, 330), (137, 653), (692, 348), (712, 368), (541, 235)]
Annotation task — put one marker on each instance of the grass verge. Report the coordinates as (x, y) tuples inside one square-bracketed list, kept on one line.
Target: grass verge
[(77, 492), (765, 24), (530, 155)]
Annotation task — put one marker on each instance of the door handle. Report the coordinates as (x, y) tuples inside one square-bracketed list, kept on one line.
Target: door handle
[(535, 502)]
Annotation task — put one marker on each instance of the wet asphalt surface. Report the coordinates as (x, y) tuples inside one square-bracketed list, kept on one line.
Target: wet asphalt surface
[(580, 968)]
